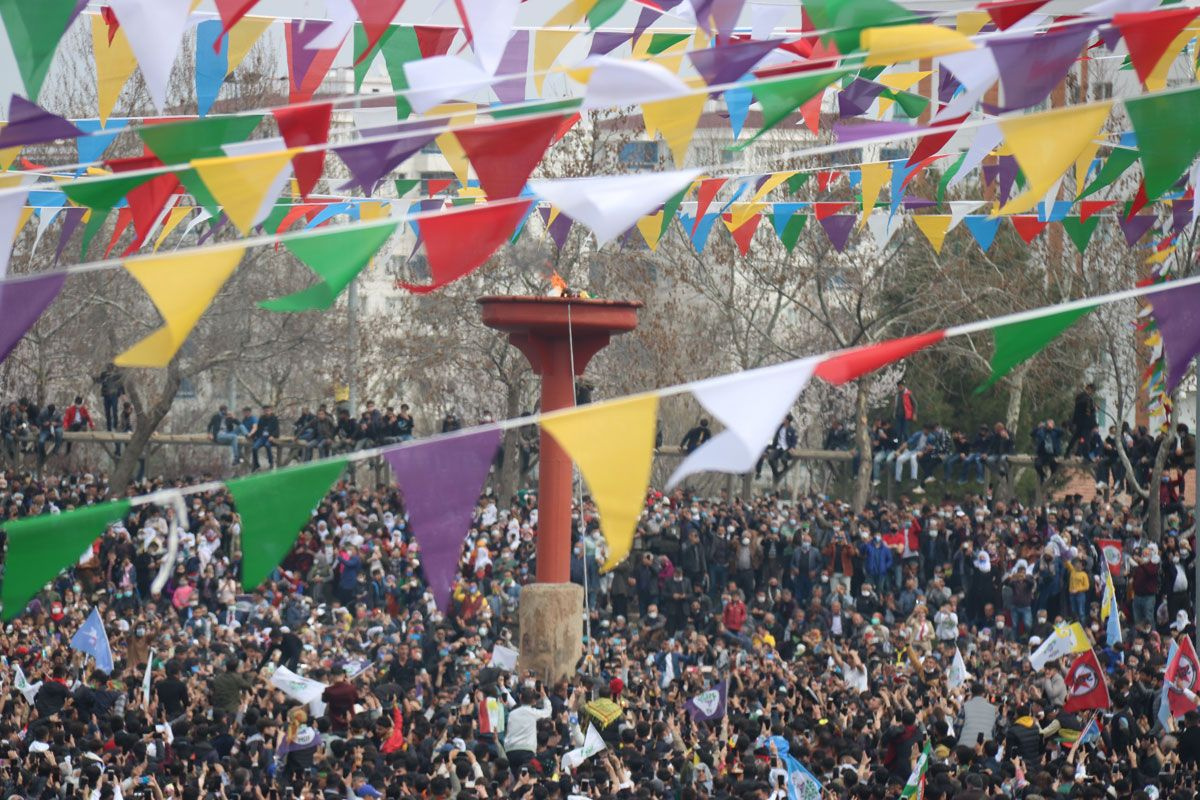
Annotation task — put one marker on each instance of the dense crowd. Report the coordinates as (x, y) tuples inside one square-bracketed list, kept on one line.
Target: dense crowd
[(835, 631)]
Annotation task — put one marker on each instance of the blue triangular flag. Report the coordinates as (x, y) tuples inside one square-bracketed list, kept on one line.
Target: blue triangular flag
[(98, 138), (212, 62), (737, 102), (983, 228), (92, 639)]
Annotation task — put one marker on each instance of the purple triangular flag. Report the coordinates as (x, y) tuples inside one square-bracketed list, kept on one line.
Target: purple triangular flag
[(559, 229), (1177, 314), (1181, 214), (370, 162), (604, 42), (515, 62), (302, 55), (856, 98), (29, 123), (719, 65), (1111, 37), (1031, 65), (645, 19), (837, 228), (947, 84), (1135, 227), (213, 229), (869, 129), (725, 15), (914, 203), (441, 480), (1007, 173), (22, 303), (72, 219)]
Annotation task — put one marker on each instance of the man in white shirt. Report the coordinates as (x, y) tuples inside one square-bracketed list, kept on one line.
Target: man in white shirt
[(520, 740)]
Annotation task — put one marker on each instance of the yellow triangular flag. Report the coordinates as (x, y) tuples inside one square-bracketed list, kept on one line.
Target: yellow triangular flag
[(616, 468), (934, 226), (903, 81), (547, 45), (1161, 255), (174, 217), (26, 214), (895, 44), (874, 176), (1156, 81), (114, 64), (461, 114), (373, 209), (741, 213), (1046, 145), (182, 286), (772, 183), (572, 12), (242, 37), (1083, 164), (240, 183), (8, 155), (969, 23), (676, 120), (650, 227)]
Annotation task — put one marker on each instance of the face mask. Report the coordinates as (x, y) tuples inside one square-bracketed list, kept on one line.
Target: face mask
[(874, 620), (653, 615), (824, 579), (866, 593)]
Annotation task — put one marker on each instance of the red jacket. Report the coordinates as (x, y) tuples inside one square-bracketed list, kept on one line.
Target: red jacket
[(734, 616), (75, 414)]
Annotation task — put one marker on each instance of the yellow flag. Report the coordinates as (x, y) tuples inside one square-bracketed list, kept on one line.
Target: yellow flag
[(934, 226), (242, 37), (771, 184), (547, 45), (182, 286), (903, 81), (741, 213), (240, 183), (174, 217), (374, 209), (572, 12), (26, 214), (1047, 144), (1161, 255), (874, 176), (676, 120), (7, 156), (893, 45), (616, 467), (461, 114), (114, 64), (1156, 81), (650, 227), (969, 23), (1083, 163)]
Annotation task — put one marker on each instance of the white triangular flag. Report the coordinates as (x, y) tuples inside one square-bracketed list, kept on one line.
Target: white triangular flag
[(764, 18), (28, 690), (958, 674), (155, 31), (959, 209), (45, 215), (881, 228), (11, 205), (976, 70), (611, 204), (440, 78), (490, 23), (342, 16), (616, 82), (985, 141), (750, 405)]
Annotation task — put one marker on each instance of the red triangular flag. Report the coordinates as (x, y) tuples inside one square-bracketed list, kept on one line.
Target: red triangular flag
[(231, 11), (917, 170), (376, 16), (504, 154), (1184, 668), (1006, 13), (929, 145), (1148, 34), (565, 127), (824, 178), (1139, 200), (1028, 226), (434, 40), (1089, 207), (110, 19), (124, 217), (847, 366), (744, 232), (308, 211), (438, 185), (462, 239), (301, 88), (147, 200), (1086, 688), (823, 210), (810, 111), (704, 197), (302, 126)]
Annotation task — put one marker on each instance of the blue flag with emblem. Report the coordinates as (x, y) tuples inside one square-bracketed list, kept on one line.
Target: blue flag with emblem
[(92, 639), (801, 784)]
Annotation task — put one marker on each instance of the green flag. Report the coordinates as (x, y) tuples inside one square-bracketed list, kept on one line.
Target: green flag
[(947, 176), (41, 547), (360, 43), (180, 142), (660, 42), (34, 30), (406, 185), (797, 181), (1168, 134), (913, 105), (790, 233), (1118, 161), (400, 46), (916, 781), (1017, 342), (337, 258), (780, 98), (276, 217), (94, 224), (548, 107), (603, 11), (845, 19), (1080, 232), (671, 208), (274, 506), (103, 194)]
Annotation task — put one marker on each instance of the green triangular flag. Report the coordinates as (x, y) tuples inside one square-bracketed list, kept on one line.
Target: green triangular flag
[(360, 43), (406, 185), (845, 19), (34, 30), (791, 231), (1017, 342), (1168, 135), (1117, 162), (180, 142), (671, 208), (1080, 232), (94, 224), (41, 547), (947, 176), (274, 506), (659, 42), (200, 192), (797, 181), (568, 104), (336, 257), (913, 105), (603, 11), (103, 193), (275, 218), (780, 98), (400, 47)]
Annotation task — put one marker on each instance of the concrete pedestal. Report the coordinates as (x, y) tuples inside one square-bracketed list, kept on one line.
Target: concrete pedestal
[(551, 620)]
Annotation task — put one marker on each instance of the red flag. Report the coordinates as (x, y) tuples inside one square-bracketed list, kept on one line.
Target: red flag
[(744, 232), (851, 364), (826, 210), (438, 185), (1139, 200), (231, 11), (1028, 226), (124, 218), (1089, 207), (461, 240), (1148, 35), (1006, 13), (302, 126), (395, 739), (376, 16), (810, 111), (110, 19), (1086, 687), (704, 197), (1183, 669), (824, 178), (1112, 550), (931, 144), (504, 154), (434, 40)]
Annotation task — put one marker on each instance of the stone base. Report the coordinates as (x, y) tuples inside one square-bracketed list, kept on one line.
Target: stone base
[(551, 620)]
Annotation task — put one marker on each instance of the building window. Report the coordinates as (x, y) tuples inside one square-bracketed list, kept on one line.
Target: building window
[(187, 390), (639, 156), (1102, 90)]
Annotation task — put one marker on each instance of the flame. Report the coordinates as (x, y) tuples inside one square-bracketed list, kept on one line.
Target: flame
[(558, 287)]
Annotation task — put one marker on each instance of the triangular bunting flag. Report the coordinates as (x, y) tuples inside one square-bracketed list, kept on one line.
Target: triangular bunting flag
[(12, 207), (616, 468), (302, 126), (29, 123), (155, 29), (241, 183), (114, 64), (1177, 315), (243, 37), (176, 216), (874, 177), (370, 162), (441, 480), (178, 142), (983, 229), (232, 11), (1047, 144), (837, 228), (1028, 226), (705, 195), (1135, 228), (1031, 65), (676, 121), (274, 506), (336, 258), (750, 405), (1120, 159), (182, 287), (22, 302), (124, 220), (1089, 207), (934, 227), (611, 205), (743, 233), (488, 25), (103, 194), (780, 98), (852, 364), (1148, 34), (212, 63), (505, 154), (307, 68), (41, 546), (650, 226), (451, 254), (376, 16), (1017, 342), (34, 32), (1080, 231), (728, 63), (1168, 134), (547, 45), (1006, 13), (895, 44)]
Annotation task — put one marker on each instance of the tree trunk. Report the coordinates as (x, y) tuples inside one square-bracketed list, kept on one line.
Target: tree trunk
[(1154, 499), (508, 475), (862, 442), (1012, 414), (147, 423)]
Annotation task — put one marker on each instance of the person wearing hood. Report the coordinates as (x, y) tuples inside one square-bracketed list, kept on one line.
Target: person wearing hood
[(296, 748)]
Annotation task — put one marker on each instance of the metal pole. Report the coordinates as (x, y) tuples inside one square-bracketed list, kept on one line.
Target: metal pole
[(352, 378)]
